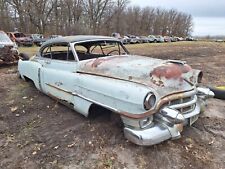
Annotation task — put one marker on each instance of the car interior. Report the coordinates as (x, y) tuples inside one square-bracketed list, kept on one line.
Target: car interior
[(85, 50)]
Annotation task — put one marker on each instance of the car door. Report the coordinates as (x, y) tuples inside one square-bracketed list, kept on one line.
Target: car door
[(57, 72)]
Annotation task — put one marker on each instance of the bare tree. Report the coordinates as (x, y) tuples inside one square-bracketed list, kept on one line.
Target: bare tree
[(39, 12), (68, 17), (95, 10)]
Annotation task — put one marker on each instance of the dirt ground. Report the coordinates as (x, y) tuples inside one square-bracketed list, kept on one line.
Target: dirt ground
[(37, 132)]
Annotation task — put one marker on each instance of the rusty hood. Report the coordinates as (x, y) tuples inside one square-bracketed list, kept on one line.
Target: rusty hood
[(163, 76)]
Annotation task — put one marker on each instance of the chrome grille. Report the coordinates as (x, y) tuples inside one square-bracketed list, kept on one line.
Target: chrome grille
[(184, 105)]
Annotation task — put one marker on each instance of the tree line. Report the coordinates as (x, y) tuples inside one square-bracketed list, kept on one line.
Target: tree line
[(69, 17)]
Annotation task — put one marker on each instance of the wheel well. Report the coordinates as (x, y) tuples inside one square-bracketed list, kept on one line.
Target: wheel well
[(96, 111), (27, 79)]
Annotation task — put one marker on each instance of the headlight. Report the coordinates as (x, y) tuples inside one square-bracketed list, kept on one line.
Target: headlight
[(149, 101), (145, 122)]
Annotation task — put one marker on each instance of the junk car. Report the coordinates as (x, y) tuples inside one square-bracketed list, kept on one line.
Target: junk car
[(20, 38), (155, 98), (8, 50), (38, 39)]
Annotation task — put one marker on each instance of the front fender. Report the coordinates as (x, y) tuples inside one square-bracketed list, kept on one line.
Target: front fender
[(115, 94)]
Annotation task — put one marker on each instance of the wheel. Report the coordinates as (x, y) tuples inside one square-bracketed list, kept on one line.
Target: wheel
[(219, 92)]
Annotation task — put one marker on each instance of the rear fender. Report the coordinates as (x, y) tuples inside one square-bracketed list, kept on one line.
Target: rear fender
[(30, 70)]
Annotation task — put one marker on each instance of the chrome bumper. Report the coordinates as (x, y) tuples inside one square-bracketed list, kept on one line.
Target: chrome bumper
[(169, 122), (161, 130)]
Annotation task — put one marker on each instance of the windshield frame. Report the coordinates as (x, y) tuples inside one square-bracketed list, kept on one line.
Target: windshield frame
[(96, 40)]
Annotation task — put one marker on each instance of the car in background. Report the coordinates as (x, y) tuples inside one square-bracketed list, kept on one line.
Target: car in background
[(38, 39), (159, 39), (189, 38), (155, 98), (173, 39), (20, 38), (8, 49), (134, 39), (167, 39), (124, 40), (116, 35), (54, 36), (152, 38), (179, 38), (143, 39)]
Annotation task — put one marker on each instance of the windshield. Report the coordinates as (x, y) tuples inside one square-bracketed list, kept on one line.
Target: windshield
[(96, 49), (19, 35)]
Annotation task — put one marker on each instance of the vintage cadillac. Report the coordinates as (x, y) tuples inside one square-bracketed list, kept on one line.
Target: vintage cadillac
[(154, 98)]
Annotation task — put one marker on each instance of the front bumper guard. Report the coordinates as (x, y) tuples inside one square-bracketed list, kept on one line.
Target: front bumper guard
[(168, 123), (166, 126)]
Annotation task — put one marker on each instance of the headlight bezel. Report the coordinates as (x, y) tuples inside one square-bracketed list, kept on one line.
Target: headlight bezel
[(149, 101)]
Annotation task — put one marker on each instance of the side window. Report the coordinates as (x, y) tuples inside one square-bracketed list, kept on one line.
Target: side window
[(82, 52), (58, 52), (80, 49), (46, 53)]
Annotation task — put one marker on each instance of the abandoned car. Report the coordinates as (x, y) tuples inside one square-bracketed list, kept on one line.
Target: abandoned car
[(154, 98), (20, 38), (8, 50)]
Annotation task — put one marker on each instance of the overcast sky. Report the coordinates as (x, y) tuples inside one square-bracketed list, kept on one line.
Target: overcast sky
[(208, 15)]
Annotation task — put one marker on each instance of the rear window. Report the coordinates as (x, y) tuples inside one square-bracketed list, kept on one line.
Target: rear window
[(58, 52)]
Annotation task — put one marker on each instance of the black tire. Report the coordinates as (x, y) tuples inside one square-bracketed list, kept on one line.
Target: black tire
[(24, 56), (219, 92)]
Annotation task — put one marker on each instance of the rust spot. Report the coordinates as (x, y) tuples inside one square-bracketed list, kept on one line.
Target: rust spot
[(99, 61), (170, 71), (96, 62), (157, 82)]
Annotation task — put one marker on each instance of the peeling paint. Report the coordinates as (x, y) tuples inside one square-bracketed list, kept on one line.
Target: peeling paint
[(99, 61), (170, 71)]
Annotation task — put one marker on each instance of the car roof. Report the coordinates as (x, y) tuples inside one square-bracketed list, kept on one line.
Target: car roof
[(77, 38)]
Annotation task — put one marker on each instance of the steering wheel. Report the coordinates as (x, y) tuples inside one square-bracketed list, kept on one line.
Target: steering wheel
[(113, 51)]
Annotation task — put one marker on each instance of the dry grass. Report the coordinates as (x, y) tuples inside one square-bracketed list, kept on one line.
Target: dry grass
[(29, 50)]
